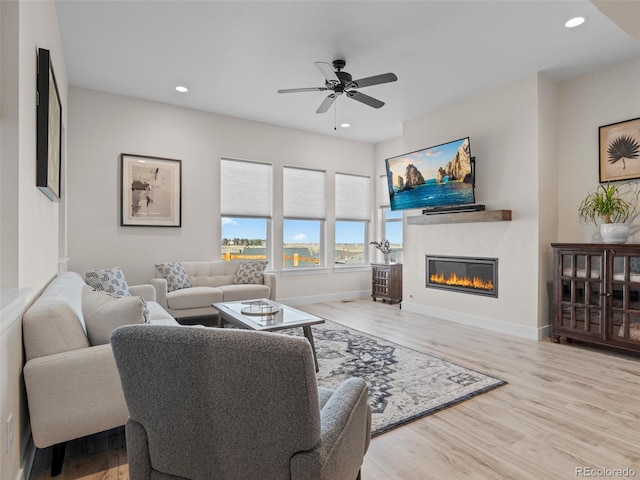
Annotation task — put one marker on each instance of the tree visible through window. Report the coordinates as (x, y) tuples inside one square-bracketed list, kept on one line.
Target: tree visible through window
[(244, 238)]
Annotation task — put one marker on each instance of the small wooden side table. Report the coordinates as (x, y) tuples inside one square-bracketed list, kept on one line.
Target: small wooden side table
[(386, 282)]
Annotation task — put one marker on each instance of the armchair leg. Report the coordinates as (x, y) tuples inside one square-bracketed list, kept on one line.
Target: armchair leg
[(57, 458)]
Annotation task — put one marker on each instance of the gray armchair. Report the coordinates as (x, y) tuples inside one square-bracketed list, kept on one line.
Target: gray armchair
[(233, 405)]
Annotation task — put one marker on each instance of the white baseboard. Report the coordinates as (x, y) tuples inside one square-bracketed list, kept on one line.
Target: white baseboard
[(530, 333), (29, 457), (329, 297)]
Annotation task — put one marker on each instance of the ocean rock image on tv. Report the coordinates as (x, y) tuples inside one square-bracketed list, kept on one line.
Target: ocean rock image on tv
[(439, 176)]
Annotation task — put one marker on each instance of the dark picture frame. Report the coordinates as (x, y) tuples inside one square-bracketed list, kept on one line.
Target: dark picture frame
[(49, 128), (151, 191), (619, 147)]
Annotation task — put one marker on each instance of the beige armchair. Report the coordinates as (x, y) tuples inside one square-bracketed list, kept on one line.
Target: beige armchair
[(235, 404)]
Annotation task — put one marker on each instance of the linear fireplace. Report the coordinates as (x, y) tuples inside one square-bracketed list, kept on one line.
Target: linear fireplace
[(478, 276)]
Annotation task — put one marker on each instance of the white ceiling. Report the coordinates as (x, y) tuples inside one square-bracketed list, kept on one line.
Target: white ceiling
[(235, 55)]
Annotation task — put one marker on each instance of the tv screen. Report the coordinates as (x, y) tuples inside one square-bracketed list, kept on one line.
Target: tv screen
[(439, 176)]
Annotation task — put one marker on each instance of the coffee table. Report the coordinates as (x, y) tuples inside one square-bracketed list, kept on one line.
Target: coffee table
[(258, 317)]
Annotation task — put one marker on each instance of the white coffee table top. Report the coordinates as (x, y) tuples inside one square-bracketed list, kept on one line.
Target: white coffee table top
[(285, 317)]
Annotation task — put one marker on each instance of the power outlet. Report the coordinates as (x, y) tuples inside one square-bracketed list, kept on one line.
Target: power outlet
[(9, 432)]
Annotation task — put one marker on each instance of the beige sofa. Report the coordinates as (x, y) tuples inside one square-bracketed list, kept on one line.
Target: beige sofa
[(211, 282), (73, 387)]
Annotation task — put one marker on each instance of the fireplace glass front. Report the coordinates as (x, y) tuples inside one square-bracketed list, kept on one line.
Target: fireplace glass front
[(478, 276)]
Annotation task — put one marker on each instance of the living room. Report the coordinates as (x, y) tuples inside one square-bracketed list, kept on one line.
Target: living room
[(534, 139)]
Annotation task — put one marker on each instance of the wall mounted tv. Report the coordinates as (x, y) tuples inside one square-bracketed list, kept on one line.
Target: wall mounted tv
[(431, 178)]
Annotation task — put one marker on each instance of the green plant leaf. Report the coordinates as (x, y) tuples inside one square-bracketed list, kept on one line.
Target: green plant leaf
[(610, 203)]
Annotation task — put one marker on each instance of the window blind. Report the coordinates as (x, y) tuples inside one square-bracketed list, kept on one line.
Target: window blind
[(246, 188), (304, 193), (353, 195)]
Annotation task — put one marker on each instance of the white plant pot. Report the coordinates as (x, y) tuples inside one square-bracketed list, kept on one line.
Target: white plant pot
[(615, 232)]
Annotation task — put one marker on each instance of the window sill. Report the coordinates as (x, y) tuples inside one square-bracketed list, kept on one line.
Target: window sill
[(361, 267), (305, 271)]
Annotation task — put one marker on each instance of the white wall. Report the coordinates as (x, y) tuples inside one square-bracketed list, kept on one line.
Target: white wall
[(38, 215), (102, 126), (602, 98), (536, 145), (503, 130), (30, 221), (548, 181)]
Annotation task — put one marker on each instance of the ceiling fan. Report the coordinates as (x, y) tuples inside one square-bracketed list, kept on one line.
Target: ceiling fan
[(339, 82)]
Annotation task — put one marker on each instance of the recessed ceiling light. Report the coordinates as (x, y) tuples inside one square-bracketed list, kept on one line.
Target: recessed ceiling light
[(574, 22), (182, 89), (345, 125)]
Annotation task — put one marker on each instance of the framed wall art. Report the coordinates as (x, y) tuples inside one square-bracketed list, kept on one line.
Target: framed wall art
[(620, 151), (151, 191), (49, 128)]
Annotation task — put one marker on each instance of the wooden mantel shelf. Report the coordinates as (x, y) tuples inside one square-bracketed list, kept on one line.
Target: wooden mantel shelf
[(462, 217)]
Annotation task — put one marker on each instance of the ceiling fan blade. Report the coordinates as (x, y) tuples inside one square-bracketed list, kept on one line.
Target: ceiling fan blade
[(375, 80), (328, 72), (366, 99), (326, 103), (308, 89)]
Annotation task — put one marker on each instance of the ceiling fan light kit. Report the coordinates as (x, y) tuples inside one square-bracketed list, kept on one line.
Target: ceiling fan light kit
[(339, 82)]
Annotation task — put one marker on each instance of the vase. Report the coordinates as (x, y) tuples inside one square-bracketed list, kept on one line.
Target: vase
[(386, 257), (615, 232)]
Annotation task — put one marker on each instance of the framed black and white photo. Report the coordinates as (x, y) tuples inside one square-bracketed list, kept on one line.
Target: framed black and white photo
[(620, 151), (151, 191), (49, 128)]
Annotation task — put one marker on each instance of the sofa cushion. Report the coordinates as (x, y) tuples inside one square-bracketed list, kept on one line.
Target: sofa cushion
[(250, 272), (213, 281), (158, 315), (54, 322), (104, 313), (194, 297), (109, 280), (175, 275), (233, 293)]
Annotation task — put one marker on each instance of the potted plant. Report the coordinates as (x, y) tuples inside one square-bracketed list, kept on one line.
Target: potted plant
[(385, 248), (613, 207)]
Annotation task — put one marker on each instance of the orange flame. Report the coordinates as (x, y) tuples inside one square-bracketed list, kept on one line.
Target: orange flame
[(453, 279)]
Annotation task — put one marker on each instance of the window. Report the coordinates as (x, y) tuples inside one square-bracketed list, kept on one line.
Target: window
[(392, 225), (304, 208), (245, 212), (352, 218), (302, 246), (244, 238), (391, 220), (350, 242)]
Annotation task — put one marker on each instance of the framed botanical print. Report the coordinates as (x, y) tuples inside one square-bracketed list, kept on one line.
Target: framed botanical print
[(151, 191), (620, 151)]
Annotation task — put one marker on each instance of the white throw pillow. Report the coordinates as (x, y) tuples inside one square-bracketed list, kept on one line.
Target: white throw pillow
[(251, 272), (108, 280), (104, 313), (175, 275)]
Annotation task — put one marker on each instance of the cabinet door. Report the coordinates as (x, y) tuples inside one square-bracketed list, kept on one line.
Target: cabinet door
[(624, 321), (580, 293), (380, 281)]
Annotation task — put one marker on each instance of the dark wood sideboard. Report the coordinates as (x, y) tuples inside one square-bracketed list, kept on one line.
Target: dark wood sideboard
[(596, 294), (386, 282)]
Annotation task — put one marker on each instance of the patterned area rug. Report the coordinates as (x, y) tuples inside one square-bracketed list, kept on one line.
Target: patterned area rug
[(404, 384)]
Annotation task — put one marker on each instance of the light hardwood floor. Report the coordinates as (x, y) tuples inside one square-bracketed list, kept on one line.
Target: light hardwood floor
[(566, 407)]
